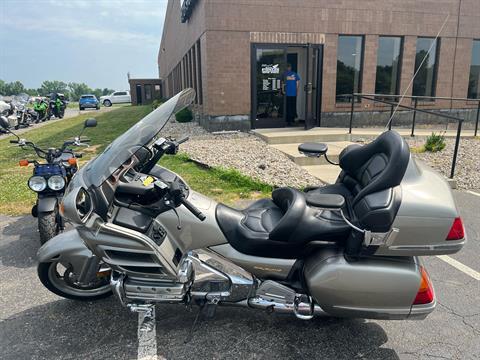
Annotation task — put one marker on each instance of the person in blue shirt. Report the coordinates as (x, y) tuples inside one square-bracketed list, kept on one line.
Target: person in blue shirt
[(291, 84)]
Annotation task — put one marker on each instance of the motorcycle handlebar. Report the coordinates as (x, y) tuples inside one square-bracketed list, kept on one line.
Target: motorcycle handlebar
[(13, 141), (193, 209)]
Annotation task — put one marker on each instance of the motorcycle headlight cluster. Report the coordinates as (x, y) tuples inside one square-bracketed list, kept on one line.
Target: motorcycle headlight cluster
[(39, 183), (56, 182)]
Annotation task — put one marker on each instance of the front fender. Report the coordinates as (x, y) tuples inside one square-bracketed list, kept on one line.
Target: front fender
[(46, 204), (67, 248)]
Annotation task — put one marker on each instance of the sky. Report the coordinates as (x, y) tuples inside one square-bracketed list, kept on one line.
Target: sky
[(92, 41)]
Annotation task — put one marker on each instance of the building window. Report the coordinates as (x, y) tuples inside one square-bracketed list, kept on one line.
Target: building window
[(148, 92), (389, 51), (425, 81), (199, 68), (349, 66), (474, 80)]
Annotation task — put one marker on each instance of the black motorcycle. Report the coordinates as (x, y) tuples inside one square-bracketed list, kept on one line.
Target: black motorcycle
[(56, 106), (50, 179)]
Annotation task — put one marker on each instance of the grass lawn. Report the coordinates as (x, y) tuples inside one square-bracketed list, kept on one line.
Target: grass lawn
[(16, 198)]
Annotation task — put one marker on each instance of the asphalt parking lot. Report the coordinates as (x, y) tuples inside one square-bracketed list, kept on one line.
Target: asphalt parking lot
[(35, 324)]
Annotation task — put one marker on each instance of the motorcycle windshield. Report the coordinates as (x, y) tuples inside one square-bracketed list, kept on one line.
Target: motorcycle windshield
[(138, 136)]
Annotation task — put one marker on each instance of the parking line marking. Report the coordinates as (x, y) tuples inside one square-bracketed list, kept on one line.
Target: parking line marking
[(473, 192), (459, 266), (147, 337)]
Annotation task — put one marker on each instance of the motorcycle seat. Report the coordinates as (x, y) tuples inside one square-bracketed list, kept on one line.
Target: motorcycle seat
[(283, 226), (280, 227)]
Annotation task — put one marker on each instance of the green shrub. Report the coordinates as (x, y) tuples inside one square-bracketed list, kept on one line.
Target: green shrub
[(184, 115), (435, 142), (156, 103)]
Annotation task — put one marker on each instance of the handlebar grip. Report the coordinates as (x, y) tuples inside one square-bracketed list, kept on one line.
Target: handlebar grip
[(85, 140), (78, 155), (13, 141), (182, 140), (193, 209)]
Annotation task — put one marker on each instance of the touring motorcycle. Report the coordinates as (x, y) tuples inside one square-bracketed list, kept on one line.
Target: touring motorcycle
[(50, 178), (346, 250)]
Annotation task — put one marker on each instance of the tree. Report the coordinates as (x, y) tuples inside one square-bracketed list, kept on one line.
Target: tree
[(107, 91), (12, 88), (49, 87), (76, 90)]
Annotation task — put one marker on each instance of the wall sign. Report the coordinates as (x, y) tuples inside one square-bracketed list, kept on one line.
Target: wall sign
[(270, 69)]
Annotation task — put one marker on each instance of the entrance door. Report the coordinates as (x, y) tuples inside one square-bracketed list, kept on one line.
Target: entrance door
[(269, 64), (313, 87), (268, 105), (139, 94)]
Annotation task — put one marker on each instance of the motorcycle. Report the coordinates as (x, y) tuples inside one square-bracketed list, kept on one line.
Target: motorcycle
[(40, 107), (50, 179), (345, 250), (25, 116), (56, 106)]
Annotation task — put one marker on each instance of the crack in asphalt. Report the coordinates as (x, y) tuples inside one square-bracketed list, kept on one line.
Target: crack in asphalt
[(462, 317)]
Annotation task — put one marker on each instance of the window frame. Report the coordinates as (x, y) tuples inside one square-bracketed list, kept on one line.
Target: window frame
[(435, 68), (470, 73), (400, 62), (362, 63)]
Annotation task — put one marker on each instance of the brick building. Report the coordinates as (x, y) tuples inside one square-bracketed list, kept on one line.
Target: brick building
[(235, 52)]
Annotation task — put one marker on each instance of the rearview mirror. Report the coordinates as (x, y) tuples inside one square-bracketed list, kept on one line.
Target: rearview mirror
[(4, 122), (90, 123)]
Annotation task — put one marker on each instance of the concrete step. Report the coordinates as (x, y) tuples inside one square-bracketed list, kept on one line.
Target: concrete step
[(291, 150), (276, 136), (290, 136), (327, 174)]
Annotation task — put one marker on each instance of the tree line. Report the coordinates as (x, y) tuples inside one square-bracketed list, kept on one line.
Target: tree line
[(72, 91)]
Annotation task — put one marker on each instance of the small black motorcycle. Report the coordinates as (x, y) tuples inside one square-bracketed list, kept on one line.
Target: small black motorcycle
[(56, 106), (50, 179)]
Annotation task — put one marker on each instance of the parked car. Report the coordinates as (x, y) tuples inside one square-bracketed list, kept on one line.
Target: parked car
[(117, 97), (88, 101)]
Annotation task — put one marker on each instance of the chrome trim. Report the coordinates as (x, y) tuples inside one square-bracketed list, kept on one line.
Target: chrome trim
[(438, 247), (420, 312)]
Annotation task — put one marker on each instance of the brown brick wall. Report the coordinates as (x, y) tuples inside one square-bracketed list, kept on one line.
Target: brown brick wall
[(228, 27)]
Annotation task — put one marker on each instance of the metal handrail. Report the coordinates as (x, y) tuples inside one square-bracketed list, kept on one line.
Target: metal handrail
[(378, 98)]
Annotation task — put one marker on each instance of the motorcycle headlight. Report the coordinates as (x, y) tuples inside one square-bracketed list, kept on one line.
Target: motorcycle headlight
[(37, 183), (56, 182)]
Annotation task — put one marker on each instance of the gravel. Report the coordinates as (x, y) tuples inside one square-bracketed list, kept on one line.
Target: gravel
[(243, 152), (251, 156), (467, 169)]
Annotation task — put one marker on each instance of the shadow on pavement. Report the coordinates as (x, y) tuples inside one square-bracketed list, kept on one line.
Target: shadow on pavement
[(19, 242), (66, 329), (244, 333)]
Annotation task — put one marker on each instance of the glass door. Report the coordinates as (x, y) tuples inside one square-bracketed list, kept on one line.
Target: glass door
[(313, 87), (268, 66)]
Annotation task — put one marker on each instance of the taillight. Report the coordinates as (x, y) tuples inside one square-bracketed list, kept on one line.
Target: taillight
[(425, 294), (456, 231)]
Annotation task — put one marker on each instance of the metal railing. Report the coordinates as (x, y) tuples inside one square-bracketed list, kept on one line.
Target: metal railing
[(394, 104)]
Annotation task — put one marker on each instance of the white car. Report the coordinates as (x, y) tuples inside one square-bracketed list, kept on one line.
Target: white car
[(117, 97)]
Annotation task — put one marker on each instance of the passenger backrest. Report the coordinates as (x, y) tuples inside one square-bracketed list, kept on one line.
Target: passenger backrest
[(372, 173)]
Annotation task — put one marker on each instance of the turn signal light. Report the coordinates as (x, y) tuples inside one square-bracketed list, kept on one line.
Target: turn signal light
[(425, 294), (72, 161), (457, 231), (23, 163)]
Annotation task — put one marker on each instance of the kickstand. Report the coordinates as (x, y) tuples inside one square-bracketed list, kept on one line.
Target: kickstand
[(208, 309), (192, 329)]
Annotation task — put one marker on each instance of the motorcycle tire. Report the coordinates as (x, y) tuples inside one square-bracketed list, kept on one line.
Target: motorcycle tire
[(47, 226), (61, 285)]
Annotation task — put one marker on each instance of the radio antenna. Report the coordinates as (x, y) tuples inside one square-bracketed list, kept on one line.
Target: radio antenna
[(416, 72)]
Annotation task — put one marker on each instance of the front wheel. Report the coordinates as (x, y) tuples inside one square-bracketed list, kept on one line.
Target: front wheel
[(47, 226), (62, 281), (107, 103)]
